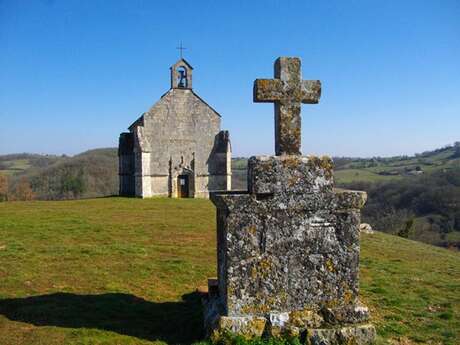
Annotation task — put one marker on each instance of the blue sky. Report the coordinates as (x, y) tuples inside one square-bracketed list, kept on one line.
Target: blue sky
[(76, 73)]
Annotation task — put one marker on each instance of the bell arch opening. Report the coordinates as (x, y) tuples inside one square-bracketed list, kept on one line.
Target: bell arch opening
[(182, 78)]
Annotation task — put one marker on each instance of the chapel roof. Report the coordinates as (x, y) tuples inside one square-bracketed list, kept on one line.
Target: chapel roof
[(180, 62), (140, 120)]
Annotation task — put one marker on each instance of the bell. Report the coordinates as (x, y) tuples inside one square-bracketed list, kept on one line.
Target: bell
[(182, 80)]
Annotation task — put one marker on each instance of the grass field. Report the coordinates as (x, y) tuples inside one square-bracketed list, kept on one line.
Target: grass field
[(124, 271), (386, 169), (15, 166), (353, 175)]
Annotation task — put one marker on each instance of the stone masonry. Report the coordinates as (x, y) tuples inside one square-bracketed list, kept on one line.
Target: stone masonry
[(176, 148), (288, 248)]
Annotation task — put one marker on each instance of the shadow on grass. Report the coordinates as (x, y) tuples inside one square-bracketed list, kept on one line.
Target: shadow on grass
[(172, 322)]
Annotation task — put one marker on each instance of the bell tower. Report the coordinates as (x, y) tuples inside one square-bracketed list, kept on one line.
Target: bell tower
[(181, 75)]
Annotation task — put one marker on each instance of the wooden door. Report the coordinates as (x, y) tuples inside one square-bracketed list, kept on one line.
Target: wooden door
[(182, 186)]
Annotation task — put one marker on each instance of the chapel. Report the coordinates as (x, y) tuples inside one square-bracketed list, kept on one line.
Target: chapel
[(176, 148)]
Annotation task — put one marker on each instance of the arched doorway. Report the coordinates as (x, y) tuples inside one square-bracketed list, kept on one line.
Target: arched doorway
[(183, 186), (182, 183)]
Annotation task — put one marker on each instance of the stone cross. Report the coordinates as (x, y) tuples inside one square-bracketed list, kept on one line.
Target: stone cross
[(288, 91), (288, 247)]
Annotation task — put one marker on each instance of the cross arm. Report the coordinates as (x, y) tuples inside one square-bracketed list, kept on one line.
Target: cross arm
[(267, 90), (311, 91)]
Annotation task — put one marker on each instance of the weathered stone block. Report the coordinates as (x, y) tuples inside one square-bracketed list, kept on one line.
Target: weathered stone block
[(356, 335), (288, 249), (283, 175), (286, 245)]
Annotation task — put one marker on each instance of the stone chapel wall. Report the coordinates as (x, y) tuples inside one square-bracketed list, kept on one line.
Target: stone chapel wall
[(179, 135), (189, 129)]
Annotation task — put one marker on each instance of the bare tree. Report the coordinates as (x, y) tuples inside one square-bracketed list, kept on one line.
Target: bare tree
[(3, 187), (23, 190)]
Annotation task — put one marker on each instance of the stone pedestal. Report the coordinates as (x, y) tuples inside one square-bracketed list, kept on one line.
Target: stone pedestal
[(288, 255)]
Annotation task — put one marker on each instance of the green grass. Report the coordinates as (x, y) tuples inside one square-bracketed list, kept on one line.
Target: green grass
[(367, 170), (372, 174), (124, 271), (15, 166), (362, 175), (412, 288)]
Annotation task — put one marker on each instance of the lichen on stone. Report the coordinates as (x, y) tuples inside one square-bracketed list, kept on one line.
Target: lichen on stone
[(288, 248)]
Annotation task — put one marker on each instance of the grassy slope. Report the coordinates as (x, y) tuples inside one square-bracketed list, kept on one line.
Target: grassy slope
[(17, 165), (98, 170), (124, 271), (430, 162), (355, 169), (22, 162), (352, 175)]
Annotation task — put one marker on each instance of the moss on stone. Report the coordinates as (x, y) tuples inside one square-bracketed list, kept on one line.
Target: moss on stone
[(330, 265), (332, 303), (255, 309), (252, 229), (248, 328), (305, 318), (348, 296), (291, 162), (256, 326), (261, 268), (293, 180)]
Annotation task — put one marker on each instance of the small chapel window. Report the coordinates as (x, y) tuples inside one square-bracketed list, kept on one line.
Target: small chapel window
[(182, 77)]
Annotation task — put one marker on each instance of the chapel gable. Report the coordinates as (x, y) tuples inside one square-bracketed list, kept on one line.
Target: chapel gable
[(178, 147)]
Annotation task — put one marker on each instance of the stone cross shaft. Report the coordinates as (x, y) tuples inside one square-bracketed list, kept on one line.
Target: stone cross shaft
[(288, 91)]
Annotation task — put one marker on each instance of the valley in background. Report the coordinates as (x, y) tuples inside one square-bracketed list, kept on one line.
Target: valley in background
[(416, 197)]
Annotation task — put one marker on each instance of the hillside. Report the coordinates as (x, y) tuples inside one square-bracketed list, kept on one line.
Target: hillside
[(90, 174), (379, 169), (347, 170), (417, 196), (124, 271), (18, 163)]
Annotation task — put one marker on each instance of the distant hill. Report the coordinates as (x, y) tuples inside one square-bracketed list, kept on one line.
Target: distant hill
[(416, 196), (347, 170), (385, 169), (378, 169), (90, 174), (18, 163)]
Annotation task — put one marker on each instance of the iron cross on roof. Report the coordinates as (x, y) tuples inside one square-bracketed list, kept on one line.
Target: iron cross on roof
[(181, 48), (288, 91)]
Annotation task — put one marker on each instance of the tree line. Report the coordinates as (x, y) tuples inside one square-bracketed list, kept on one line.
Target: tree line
[(90, 174), (21, 190), (425, 207)]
